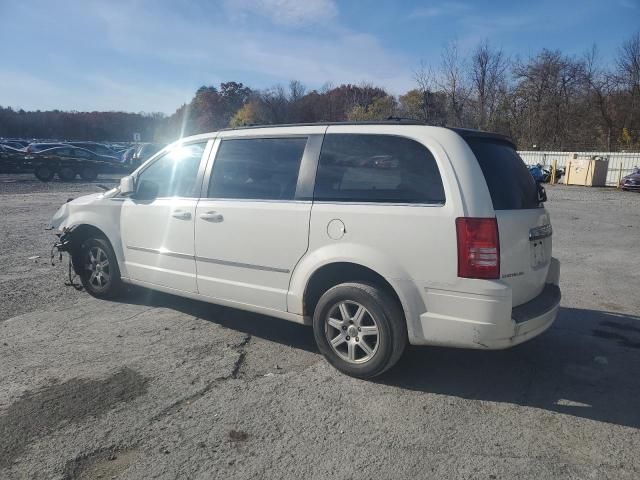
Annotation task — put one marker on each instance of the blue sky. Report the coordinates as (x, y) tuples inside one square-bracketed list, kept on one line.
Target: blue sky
[(144, 55)]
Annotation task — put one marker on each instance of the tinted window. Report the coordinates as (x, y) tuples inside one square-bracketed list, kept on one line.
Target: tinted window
[(257, 168), (81, 153), (510, 184), (377, 168), (174, 174), (103, 150)]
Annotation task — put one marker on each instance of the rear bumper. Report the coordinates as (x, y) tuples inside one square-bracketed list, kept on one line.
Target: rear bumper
[(488, 322)]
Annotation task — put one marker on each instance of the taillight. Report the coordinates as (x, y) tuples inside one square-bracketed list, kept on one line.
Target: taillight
[(478, 247)]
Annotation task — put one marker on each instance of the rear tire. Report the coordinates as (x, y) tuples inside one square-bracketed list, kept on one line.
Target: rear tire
[(360, 329), (66, 174), (88, 174), (44, 173), (98, 268)]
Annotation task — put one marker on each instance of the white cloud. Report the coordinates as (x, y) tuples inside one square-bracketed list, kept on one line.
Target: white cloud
[(445, 9), (335, 54), (287, 12), (159, 56)]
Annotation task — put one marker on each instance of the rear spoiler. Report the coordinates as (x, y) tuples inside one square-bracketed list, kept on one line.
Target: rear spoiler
[(479, 134)]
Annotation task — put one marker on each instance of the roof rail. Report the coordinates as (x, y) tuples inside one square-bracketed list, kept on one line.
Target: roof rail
[(388, 121)]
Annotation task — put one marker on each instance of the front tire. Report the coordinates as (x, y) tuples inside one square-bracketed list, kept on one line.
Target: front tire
[(98, 268), (44, 173), (360, 329), (88, 174), (66, 174)]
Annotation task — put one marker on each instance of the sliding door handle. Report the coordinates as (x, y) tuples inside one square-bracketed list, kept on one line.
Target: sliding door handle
[(213, 217), (181, 215)]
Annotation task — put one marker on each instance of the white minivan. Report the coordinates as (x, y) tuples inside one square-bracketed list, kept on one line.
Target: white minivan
[(377, 234)]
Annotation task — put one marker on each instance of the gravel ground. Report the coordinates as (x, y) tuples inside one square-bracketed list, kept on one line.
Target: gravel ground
[(155, 386)]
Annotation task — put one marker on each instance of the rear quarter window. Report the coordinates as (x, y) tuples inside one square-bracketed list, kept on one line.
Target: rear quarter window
[(510, 184), (377, 168)]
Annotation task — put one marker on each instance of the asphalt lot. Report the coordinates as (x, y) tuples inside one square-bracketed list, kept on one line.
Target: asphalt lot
[(154, 386)]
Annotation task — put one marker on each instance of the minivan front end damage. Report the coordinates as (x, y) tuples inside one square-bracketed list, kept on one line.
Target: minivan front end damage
[(77, 218)]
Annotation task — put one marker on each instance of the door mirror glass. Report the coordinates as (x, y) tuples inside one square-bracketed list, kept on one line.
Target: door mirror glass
[(127, 186)]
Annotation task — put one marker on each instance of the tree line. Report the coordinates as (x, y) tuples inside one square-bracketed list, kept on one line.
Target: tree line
[(550, 101)]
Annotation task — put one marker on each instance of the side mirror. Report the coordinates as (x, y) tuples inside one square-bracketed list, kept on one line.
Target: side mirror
[(127, 186)]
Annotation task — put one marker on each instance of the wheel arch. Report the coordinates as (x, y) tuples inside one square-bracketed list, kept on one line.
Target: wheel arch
[(362, 258), (78, 233), (334, 273), (83, 228)]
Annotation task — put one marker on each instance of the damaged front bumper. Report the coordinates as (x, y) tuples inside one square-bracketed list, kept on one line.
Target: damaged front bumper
[(65, 240)]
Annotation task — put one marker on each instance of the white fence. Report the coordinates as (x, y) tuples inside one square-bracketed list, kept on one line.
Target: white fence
[(620, 164)]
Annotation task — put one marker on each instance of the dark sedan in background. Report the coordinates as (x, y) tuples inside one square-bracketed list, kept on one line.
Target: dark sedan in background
[(631, 181), (98, 148), (11, 159), (67, 161)]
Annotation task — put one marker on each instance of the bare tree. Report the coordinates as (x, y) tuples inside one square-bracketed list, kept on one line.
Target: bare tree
[(296, 90), (422, 102), (453, 83), (275, 104), (628, 63), (488, 81), (547, 93), (602, 86)]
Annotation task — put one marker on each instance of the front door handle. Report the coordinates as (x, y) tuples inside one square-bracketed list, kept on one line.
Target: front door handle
[(181, 214), (214, 217)]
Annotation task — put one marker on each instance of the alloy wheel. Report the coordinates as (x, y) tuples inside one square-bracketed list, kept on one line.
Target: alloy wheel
[(98, 264), (352, 332)]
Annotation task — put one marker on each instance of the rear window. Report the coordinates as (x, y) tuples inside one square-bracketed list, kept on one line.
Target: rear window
[(510, 184), (377, 168)]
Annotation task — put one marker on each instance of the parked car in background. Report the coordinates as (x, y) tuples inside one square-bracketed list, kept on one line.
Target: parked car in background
[(11, 159), (146, 151), (127, 155), (67, 162), (378, 235), (119, 147), (631, 181), (24, 143), (98, 148), (38, 147), (13, 144)]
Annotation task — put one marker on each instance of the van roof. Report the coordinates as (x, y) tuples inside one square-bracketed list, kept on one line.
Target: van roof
[(398, 121), (463, 132)]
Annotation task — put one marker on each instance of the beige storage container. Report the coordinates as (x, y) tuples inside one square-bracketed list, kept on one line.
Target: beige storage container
[(589, 172)]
